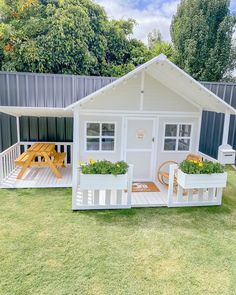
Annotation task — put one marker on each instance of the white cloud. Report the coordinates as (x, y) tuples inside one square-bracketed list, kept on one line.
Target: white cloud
[(157, 14)]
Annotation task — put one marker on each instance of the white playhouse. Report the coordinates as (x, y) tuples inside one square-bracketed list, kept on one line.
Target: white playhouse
[(147, 117)]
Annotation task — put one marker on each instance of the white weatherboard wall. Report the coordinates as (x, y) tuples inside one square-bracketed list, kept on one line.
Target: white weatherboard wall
[(96, 155), (177, 156)]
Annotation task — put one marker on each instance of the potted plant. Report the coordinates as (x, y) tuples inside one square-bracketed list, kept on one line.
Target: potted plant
[(103, 175), (192, 174)]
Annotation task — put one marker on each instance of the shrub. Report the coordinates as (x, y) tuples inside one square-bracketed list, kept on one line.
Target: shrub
[(205, 167), (104, 167)]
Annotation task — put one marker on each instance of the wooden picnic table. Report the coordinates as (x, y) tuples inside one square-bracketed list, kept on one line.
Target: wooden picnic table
[(48, 157)]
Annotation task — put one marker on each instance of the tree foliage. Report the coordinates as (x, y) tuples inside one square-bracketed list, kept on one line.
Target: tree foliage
[(66, 36), (157, 45), (201, 32)]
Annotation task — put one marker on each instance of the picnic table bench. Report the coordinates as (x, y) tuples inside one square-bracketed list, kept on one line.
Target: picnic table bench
[(48, 157)]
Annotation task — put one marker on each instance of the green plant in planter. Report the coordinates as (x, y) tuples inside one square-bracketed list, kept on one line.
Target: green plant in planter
[(205, 167), (104, 167)]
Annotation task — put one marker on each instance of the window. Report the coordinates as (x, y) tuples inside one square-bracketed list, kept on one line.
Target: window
[(177, 137), (100, 136)]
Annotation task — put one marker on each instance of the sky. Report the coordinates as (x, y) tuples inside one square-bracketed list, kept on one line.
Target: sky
[(149, 14)]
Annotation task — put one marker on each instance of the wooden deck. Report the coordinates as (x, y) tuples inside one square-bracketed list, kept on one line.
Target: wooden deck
[(43, 177), (101, 200), (38, 177), (157, 199)]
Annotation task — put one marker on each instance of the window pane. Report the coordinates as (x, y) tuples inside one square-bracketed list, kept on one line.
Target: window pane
[(93, 129), (171, 130), (92, 144), (185, 130), (108, 144), (108, 129), (170, 144), (183, 144)]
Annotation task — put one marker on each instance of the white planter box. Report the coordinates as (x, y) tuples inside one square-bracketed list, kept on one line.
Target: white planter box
[(103, 181), (188, 181)]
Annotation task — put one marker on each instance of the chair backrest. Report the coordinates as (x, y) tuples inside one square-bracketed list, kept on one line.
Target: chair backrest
[(194, 157)]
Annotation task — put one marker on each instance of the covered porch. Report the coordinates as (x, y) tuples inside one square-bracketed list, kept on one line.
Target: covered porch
[(34, 177), (43, 177), (37, 176)]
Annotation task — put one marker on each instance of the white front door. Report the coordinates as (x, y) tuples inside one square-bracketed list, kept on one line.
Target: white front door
[(139, 146)]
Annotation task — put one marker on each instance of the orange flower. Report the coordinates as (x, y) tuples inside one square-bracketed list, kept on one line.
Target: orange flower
[(8, 47)]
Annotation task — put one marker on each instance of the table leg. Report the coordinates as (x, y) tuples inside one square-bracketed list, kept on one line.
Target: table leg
[(25, 166), (51, 165)]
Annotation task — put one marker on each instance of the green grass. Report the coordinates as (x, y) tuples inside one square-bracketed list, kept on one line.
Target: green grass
[(45, 248)]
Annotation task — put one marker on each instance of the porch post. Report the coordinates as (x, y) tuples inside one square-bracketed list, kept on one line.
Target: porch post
[(18, 133), (226, 127), (75, 157)]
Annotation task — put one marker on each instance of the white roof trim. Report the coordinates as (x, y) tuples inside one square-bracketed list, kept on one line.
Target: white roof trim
[(36, 111), (145, 66), (228, 106), (118, 81)]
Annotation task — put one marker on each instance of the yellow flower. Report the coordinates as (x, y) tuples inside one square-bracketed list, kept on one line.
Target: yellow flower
[(80, 163), (200, 164), (191, 161), (195, 162), (91, 161), (117, 165)]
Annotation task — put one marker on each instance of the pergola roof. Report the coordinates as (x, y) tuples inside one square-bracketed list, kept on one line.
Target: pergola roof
[(36, 112)]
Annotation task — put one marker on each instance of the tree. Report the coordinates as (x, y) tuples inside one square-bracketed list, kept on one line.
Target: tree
[(157, 45), (154, 37), (65, 36), (201, 33)]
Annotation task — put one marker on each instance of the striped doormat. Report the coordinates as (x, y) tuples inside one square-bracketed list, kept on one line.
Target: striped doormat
[(139, 187)]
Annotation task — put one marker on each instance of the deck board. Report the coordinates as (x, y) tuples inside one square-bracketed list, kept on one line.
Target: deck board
[(39, 177), (153, 199)]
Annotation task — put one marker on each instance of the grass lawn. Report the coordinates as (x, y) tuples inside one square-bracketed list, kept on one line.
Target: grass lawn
[(45, 248)]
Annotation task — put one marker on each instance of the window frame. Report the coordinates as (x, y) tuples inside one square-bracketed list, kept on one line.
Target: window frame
[(100, 136), (177, 137)]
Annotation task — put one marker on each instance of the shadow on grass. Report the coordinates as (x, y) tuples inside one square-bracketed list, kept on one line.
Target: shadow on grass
[(189, 217)]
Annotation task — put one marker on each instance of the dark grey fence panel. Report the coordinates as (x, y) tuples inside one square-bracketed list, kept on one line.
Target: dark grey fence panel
[(42, 90), (7, 131), (212, 123)]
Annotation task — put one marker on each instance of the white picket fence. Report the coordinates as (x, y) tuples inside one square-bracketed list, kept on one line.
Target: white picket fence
[(104, 198), (211, 196), (7, 164), (7, 157)]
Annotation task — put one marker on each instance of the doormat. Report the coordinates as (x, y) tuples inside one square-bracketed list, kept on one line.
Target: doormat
[(144, 187)]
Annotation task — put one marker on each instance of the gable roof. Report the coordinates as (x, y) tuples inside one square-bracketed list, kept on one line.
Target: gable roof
[(55, 92), (174, 78)]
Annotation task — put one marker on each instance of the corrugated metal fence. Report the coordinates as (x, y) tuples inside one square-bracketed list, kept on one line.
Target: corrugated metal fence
[(50, 90), (42, 90), (212, 123)]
